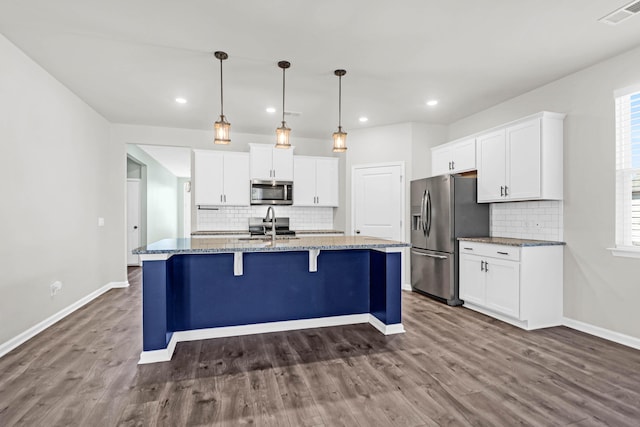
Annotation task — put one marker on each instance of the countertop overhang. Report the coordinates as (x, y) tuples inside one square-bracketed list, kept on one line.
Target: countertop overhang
[(229, 245), (510, 241)]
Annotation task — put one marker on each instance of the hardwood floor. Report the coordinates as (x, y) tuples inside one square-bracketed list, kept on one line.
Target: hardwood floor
[(452, 367)]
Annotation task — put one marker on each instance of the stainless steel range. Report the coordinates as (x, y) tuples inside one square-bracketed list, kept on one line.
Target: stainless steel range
[(262, 227)]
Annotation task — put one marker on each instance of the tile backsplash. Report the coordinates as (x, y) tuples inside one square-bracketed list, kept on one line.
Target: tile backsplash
[(528, 220), (237, 217)]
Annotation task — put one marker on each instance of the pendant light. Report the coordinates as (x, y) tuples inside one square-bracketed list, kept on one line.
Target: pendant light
[(222, 126), (340, 138), (282, 133)]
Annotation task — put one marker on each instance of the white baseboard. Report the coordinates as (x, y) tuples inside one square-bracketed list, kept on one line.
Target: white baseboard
[(396, 328), (407, 287), (606, 334), (14, 342), (165, 354)]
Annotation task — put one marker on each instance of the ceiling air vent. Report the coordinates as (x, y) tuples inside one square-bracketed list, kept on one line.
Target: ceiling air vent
[(619, 15)]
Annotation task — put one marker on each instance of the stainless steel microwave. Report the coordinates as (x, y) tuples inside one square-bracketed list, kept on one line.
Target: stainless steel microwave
[(271, 192)]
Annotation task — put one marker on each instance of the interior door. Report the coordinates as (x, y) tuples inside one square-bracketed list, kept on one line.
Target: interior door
[(377, 201), (133, 220)]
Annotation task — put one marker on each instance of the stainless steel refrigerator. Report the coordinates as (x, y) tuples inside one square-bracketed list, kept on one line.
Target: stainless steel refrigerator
[(443, 208)]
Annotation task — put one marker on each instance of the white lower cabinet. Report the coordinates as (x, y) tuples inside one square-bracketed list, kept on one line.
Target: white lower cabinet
[(521, 285)]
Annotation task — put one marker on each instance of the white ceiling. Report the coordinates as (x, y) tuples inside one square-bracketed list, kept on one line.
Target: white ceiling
[(176, 159), (131, 59)]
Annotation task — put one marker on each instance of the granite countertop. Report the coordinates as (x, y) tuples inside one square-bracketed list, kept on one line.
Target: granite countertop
[(510, 242), (282, 244), (241, 232)]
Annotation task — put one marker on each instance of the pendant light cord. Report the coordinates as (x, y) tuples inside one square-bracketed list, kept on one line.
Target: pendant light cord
[(221, 93), (283, 70), (339, 102)]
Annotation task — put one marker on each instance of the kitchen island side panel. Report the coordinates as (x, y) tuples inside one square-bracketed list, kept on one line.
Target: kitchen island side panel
[(157, 288), (385, 287), (274, 286)]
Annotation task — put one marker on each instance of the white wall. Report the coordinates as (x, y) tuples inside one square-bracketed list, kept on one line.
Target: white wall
[(599, 289), (406, 142), (59, 173)]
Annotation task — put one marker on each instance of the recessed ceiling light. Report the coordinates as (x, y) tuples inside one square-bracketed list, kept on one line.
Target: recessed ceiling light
[(363, 119), (181, 100), (432, 102), (271, 110)]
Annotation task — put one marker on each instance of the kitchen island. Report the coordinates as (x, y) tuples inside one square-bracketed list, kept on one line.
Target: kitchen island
[(207, 288)]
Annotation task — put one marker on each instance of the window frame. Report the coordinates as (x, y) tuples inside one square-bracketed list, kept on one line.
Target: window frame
[(625, 171)]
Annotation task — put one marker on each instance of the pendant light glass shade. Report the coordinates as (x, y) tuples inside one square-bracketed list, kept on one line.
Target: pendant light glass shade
[(340, 137), (282, 133), (339, 141), (222, 127), (282, 136)]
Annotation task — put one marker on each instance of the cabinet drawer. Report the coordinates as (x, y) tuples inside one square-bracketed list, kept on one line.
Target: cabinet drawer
[(505, 252)]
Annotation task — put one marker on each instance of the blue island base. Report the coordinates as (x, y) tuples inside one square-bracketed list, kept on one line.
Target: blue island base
[(202, 296)]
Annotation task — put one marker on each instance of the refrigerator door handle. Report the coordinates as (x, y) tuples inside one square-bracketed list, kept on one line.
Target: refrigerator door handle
[(428, 212), (429, 255), (423, 219)]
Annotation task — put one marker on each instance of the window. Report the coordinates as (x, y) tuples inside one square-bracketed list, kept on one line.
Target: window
[(628, 169)]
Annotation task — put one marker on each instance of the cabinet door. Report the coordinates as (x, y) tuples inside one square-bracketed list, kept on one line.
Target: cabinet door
[(208, 178), (236, 179), (463, 155), (327, 182), (441, 160), (472, 279), (304, 184), (503, 286), (523, 160), (261, 162), (282, 164), (491, 162)]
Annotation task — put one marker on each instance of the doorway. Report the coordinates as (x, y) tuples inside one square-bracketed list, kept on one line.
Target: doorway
[(133, 220), (377, 200)]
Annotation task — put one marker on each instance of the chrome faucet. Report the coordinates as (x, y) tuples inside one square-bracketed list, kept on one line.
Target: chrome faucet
[(271, 215)]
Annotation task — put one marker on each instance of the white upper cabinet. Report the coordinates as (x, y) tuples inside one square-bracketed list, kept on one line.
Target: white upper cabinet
[(221, 178), (454, 157), (522, 161), (270, 163), (315, 181)]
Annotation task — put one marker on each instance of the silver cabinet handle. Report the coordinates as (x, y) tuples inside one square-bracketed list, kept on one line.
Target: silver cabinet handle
[(221, 198), (481, 265), (486, 266), (506, 190), (429, 255), (318, 199), (225, 198), (453, 165), (469, 249), (501, 191), (503, 253), (449, 165)]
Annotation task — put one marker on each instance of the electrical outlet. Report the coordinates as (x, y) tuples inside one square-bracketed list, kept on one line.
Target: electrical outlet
[(55, 287)]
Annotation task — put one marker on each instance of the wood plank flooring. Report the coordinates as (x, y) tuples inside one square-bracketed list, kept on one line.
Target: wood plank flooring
[(452, 367)]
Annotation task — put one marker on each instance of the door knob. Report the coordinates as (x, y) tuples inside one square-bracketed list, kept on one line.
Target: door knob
[(357, 231), (135, 227)]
